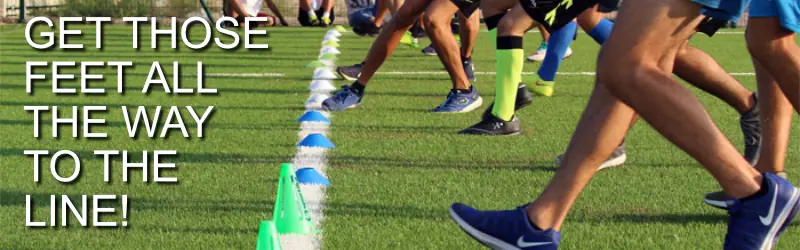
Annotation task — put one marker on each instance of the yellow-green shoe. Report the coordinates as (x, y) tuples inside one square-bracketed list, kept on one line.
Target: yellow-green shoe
[(410, 41), (543, 88), (326, 21), (313, 20)]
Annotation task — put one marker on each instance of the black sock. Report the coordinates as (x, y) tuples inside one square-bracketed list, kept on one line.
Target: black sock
[(465, 59), (462, 91), (761, 191), (358, 87)]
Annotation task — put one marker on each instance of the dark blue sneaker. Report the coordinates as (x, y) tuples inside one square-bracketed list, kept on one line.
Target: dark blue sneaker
[(758, 222), (345, 98), (460, 102), (509, 229)]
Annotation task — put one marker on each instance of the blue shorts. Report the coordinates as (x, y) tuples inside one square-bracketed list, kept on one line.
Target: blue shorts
[(729, 10), (361, 18), (787, 11)]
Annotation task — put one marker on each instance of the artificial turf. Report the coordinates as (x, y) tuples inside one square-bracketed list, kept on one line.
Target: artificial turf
[(396, 167)]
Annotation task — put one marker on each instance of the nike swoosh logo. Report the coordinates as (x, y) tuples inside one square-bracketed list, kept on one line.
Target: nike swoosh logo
[(768, 220), (522, 243)]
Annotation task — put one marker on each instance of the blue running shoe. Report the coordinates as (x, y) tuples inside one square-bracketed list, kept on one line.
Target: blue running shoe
[(758, 222), (346, 98), (504, 230), (460, 102)]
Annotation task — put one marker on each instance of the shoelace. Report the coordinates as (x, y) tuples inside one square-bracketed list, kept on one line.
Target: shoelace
[(752, 130), (451, 100)]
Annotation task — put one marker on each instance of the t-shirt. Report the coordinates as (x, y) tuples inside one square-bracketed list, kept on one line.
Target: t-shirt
[(252, 7), (356, 5)]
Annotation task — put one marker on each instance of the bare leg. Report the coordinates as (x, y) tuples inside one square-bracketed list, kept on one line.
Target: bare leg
[(437, 20), (544, 32), (776, 122), (305, 5), (634, 66), (773, 47), (468, 30), (390, 36), (327, 5), (702, 71)]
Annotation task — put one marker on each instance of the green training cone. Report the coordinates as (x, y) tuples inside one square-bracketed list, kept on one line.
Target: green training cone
[(340, 28), (327, 56), (268, 236), (331, 43), (315, 64), (291, 213)]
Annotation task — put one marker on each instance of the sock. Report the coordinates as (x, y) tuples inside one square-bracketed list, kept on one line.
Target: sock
[(312, 15), (761, 191), (462, 91), (510, 57), (326, 15), (358, 87), (601, 32), (556, 48)]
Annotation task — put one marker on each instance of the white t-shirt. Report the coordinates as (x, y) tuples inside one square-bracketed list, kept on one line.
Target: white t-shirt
[(252, 7), (356, 5)]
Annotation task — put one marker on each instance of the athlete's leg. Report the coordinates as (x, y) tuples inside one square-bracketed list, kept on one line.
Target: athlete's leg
[(437, 20), (510, 57), (702, 71), (776, 122), (556, 49), (468, 30), (635, 67), (389, 38), (774, 48)]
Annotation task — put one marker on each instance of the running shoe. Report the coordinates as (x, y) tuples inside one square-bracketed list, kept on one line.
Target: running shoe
[(460, 102), (346, 98), (506, 230)]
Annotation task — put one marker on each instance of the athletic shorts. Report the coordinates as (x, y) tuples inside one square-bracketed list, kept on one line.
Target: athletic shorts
[(302, 16), (609, 6), (787, 11), (362, 18), (554, 14), (728, 10), (467, 7)]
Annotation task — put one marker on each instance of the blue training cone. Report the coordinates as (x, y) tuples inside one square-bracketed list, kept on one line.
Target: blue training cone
[(313, 116), (316, 140), (311, 176)]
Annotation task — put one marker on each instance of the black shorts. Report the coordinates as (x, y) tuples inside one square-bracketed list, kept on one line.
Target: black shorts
[(467, 7), (608, 6), (559, 14), (302, 16)]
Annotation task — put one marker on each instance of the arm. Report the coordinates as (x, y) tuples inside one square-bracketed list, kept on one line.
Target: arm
[(274, 8)]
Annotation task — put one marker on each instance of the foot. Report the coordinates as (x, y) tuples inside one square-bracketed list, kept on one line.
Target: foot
[(429, 51), (751, 129), (757, 222), (325, 21), (509, 229), (346, 98), (350, 73), (617, 158), (493, 125), (460, 102), (314, 21), (538, 56), (541, 52), (469, 69), (720, 200), (524, 98), (543, 88), (409, 41)]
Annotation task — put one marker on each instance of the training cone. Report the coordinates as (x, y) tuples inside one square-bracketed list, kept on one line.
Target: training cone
[(321, 86), (330, 38), (310, 176), (316, 99), (324, 74), (315, 64), (313, 116), (327, 56), (329, 50), (340, 28), (291, 214), (335, 32), (317, 141), (331, 43), (268, 236)]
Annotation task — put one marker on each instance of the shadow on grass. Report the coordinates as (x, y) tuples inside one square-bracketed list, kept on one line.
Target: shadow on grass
[(378, 210)]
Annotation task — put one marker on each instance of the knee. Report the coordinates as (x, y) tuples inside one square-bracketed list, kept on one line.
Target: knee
[(436, 22), (623, 76)]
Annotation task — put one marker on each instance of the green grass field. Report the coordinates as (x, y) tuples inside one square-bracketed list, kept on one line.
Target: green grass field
[(395, 170)]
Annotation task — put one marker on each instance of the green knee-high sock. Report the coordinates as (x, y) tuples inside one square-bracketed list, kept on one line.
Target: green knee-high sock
[(509, 57)]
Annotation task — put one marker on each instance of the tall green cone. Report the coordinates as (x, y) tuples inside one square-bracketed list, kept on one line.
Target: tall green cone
[(268, 236), (291, 213)]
